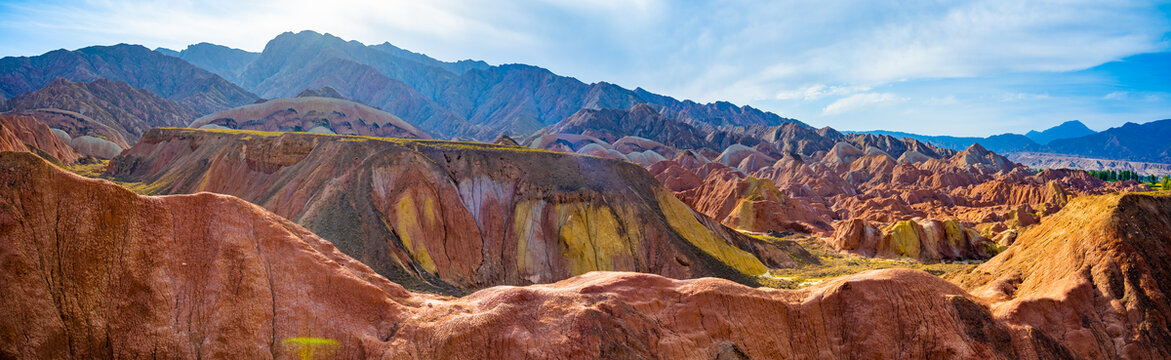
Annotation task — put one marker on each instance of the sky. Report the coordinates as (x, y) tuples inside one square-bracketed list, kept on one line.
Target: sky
[(963, 67)]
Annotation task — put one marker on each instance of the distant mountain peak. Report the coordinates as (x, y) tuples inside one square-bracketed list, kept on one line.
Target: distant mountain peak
[(1067, 130)]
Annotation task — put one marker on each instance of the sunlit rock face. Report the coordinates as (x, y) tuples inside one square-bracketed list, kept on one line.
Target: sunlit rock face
[(452, 217), (25, 133), (93, 270)]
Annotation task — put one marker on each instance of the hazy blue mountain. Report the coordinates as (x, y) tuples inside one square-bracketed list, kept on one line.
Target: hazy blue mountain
[(167, 52), (1134, 142), (458, 67), (222, 60), (1067, 130), (1003, 143), (459, 99), (167, 76)]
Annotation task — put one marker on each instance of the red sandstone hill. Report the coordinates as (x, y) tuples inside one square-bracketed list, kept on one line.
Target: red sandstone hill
[(312, 114), (23, 133), (451, 217), (115, 274)]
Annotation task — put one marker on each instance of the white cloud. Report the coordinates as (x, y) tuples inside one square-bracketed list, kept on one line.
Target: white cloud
[(858, 102), (799, 58), (1019, 96), (1117, 95), (818, 91)]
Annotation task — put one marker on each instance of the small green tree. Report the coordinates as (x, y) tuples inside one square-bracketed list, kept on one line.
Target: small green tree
[(1166, 185)]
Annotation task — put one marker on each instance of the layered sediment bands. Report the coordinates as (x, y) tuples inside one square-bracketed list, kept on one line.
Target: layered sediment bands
[(1094, 277), (923, 240), (24, 133), (451, 217), (93, 270), (312, 114)]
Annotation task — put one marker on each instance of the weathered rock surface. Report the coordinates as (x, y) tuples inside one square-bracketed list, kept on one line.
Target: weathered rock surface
[(23, 133), (312, 114), (115, 274), (452, 217), (1094, 277), (90, 270), (922, 240)]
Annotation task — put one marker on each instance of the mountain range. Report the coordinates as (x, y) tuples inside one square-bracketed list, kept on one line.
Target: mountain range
[(1129, 142), (166, 76), (464, 99)]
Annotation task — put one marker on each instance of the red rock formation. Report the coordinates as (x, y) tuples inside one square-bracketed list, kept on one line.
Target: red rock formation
[(91, 270), (114, 274), (922, 240), (24, 133), (1093, 277), (453, 217), (745, 203)]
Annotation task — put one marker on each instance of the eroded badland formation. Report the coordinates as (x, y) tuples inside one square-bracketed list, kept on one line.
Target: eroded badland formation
[(158, 209)]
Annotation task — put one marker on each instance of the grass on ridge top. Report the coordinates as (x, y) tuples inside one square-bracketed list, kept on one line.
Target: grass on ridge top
[(96, 170), (438, 144), (835, 263)]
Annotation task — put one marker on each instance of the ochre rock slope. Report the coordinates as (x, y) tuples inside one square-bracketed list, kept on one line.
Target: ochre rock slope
[(93, 270), (312, 114), (451, 217), (1094, 277), (24, 133), (90, 270)]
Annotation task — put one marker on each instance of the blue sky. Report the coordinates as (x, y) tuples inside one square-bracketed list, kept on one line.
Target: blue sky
[(969, 68)]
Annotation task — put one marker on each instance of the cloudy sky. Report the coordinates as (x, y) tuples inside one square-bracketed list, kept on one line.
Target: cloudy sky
[(933, 67)]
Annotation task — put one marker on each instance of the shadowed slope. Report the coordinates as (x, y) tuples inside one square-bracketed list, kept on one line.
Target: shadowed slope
[(111, 110), (167, 76)]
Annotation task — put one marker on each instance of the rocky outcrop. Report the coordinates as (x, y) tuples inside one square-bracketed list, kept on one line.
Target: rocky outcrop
[(741, 202), (312, 114), (1093, 277), (23, 133), (922, 240), (92, 270), (114, 274), (452, 217)]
